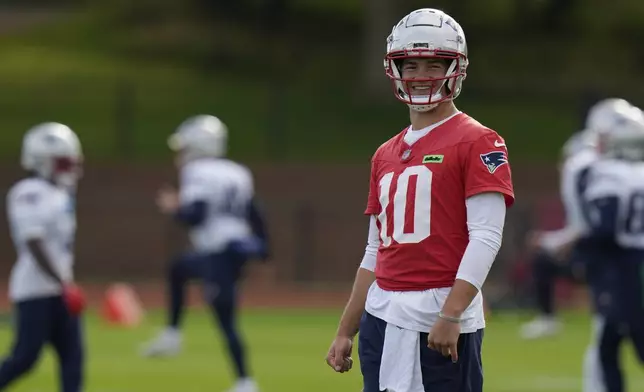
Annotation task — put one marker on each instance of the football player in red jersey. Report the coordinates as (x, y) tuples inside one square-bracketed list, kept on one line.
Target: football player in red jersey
[(437, 201)]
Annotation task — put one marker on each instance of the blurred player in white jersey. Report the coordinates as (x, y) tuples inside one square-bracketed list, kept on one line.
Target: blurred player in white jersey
[(438, 195), (614, 199), (555, 255), (41, 214), (216, 201)]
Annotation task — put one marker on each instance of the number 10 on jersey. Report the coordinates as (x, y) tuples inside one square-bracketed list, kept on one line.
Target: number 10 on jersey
[(404, 194)]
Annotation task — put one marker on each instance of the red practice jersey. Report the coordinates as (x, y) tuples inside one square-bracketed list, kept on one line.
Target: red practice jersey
[(418, 194)]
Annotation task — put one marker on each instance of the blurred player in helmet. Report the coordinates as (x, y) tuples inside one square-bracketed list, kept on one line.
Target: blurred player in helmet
[(437, 202), (614, 199), (554, 257), (216, 201), (41, 215)]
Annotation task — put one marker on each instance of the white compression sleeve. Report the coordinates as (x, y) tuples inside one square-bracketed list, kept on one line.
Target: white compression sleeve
[(485, 220), (373, 242)]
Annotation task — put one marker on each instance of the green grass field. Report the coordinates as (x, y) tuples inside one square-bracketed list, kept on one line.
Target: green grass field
[(288, 349)]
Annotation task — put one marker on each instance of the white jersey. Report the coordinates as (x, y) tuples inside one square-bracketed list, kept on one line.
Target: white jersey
[(227, 189), (38, 209), (622, 184), (574, 176)]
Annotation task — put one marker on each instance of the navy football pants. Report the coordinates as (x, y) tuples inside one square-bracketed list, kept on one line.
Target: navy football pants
[(220, 273), (440, 374), (40, 321)]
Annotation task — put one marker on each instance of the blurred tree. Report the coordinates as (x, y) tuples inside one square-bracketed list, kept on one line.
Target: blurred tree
[(523, 14), (558, 14), (268, 11), (217, 8), (377, 20), (133, 13), (274, 17), (262, 21), (275, 14), (50, 4)]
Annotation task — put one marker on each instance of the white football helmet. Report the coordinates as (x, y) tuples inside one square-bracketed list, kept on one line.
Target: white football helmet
[(603, 116), (198, 137), (53, 151), (428, 33), (626, 138), (577, 143)]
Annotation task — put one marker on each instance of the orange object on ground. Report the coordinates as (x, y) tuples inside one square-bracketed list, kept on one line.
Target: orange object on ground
[(121, 306)]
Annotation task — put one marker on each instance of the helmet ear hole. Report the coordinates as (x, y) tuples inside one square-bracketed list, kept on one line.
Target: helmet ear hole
[(398, 63), (449, 86)]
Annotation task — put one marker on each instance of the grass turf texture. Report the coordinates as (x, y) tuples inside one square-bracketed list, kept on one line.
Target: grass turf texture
[(287, 349)]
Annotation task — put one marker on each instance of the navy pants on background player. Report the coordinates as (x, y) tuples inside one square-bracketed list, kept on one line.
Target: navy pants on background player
[(609, 339), (440, 374), (38, 322), (615, 279), (220, 273), (547, 269)]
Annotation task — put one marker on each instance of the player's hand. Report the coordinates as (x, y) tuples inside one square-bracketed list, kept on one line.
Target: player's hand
[(339, 355), (74, 299), (444, 338), (535, 243), (168, 200), (534, 240)]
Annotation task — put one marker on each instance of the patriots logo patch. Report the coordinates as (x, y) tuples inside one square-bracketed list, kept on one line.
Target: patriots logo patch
[(493, 160)]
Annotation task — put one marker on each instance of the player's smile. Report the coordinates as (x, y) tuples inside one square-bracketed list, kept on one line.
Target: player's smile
[(421, 88)]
